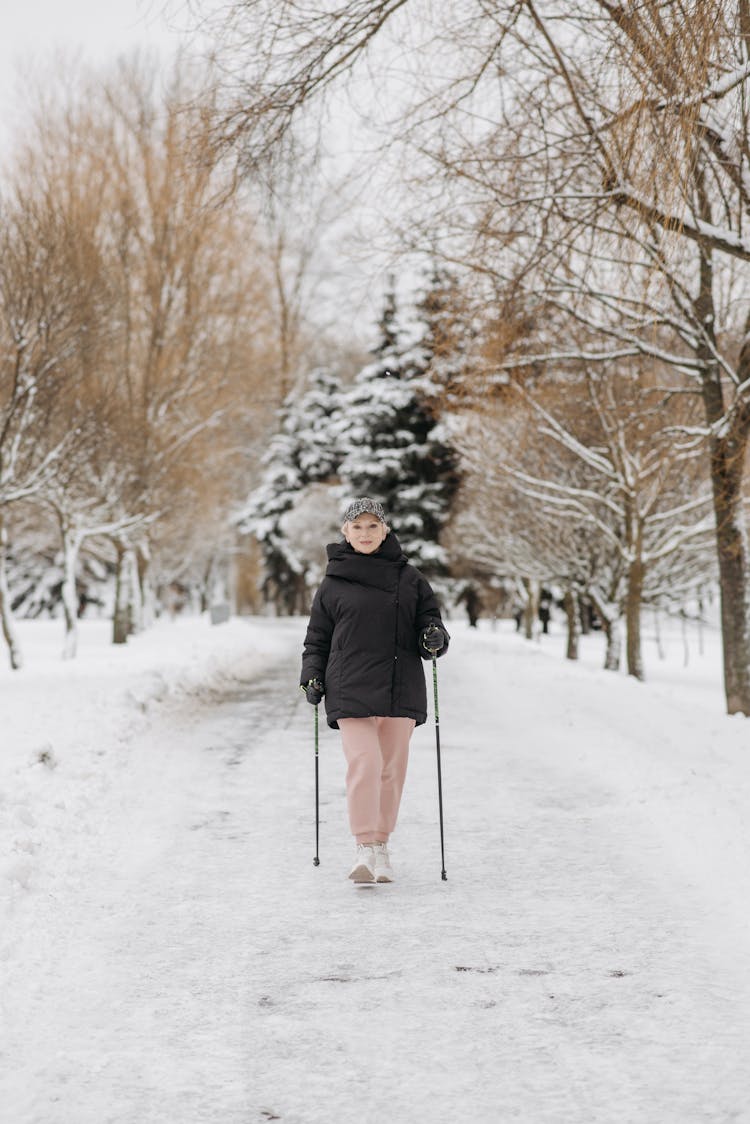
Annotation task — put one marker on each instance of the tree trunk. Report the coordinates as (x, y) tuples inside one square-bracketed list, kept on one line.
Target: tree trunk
[(121, 622), (609, 614), (6, 619), (205, 593), (633, 601), (135, 598), (701, 610), (531, 608), (302, 596), (586, 611), (685, 644), (613, 653), (70, 547), (657, 633), (573, 615), (728, 444), (148, 595), (734, 567)]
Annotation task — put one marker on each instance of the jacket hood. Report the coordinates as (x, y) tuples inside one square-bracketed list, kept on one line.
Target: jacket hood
[(380, 569)]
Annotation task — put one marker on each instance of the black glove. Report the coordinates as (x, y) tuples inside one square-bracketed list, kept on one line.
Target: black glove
[(314, 691), (432, 638)]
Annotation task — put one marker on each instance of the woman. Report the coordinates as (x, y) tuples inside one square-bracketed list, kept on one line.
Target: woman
[(372, 618)]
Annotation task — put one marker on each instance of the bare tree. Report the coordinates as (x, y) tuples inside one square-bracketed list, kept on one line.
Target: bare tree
[(190, 285), (38, 331), (297, 217), (84, 507), (135, 302), (571, 136), (613, 190), (606, 499)]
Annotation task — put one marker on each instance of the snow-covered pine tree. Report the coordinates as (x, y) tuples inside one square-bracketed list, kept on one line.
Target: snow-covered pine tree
[(300, 454), (448, 339), (392, 445)]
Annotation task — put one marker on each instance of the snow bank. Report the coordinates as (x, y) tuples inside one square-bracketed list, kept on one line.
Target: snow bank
[(665, 749), (169, 943), (66, 725)]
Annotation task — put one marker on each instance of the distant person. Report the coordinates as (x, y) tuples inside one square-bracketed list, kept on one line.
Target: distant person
[(372, 618), (473, 603), (545, 610)]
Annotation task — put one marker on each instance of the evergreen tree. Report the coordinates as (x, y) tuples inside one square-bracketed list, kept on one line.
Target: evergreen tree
[(392, 445), (448, 338), (299, 454), (380, 437), (387, 345)]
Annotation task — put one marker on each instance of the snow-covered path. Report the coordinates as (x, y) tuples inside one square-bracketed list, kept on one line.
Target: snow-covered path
[(585, 961)]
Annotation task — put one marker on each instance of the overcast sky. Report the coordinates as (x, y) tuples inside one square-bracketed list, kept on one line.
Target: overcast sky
[(33, 29), (100, 26)]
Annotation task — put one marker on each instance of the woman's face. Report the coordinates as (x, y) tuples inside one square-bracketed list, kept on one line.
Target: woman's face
[(365, 533)]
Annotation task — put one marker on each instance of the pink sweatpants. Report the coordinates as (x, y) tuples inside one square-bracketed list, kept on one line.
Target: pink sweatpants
[(377, 752)]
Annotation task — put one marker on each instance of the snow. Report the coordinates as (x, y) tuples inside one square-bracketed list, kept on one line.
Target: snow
[(169, 952)]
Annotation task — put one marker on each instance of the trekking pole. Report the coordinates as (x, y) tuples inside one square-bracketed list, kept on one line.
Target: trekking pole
[(443, 875), (316, 860)]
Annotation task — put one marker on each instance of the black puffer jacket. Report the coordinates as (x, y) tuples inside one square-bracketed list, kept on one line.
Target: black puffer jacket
[(362, 641)]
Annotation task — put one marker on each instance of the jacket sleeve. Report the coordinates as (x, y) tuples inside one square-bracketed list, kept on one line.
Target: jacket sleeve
[(317, 642), (428, 612)]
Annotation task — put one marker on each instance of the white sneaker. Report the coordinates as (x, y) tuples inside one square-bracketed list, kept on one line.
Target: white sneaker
[(364, 865), (383, 868)]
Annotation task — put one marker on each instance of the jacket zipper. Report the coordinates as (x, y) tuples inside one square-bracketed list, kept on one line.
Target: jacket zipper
[(395, 644)]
